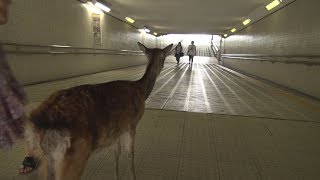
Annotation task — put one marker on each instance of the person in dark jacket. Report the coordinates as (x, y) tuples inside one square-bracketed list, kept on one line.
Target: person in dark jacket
[(178, 52)]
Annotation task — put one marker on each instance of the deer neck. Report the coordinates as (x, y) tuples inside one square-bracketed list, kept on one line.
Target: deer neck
[(149, 79)]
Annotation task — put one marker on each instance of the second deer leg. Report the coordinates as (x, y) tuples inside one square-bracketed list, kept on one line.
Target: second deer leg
[(129, 144), (74, 161), (116, 152)]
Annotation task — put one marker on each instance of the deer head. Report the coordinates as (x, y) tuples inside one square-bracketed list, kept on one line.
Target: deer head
[(156, 56)]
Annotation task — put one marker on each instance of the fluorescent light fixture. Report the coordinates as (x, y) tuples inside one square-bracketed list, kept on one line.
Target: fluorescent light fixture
[(60, 46), (102, 6), (146, 30), (92, 8), (142, 30), (129, 20), (155, 33), (233, 30), (225, 35), (273, 4), (247, 21)]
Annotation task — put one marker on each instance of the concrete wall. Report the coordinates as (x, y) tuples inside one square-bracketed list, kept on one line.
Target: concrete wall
[(61, 22), (293, 31)]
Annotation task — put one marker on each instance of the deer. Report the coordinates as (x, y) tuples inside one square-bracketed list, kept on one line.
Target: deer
[(71, 124)]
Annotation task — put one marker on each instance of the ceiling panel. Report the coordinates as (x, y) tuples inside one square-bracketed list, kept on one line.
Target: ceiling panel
[(187, 16)]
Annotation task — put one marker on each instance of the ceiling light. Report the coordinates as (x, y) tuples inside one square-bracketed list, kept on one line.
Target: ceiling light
[(146, 30), (155, 33), (92, 8), (247, 21), (102, 6), (129, 20), (142, 30), (233, 30), (225, 35), (273, 4), (60, 46)]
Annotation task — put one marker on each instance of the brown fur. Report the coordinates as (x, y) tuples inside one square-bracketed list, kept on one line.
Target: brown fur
[(72, 123)]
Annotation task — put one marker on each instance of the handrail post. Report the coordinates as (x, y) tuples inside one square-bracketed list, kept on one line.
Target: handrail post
[(219, 51)]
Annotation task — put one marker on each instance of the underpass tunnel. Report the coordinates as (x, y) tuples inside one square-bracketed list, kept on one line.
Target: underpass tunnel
[(247, 108)]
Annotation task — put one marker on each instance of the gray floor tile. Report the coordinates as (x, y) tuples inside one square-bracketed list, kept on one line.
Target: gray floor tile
[(257, 131)]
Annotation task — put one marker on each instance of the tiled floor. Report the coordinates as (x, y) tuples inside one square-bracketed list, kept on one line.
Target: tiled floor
[(210, 123)]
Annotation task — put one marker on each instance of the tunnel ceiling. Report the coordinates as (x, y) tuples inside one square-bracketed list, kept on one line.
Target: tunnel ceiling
[(188, 16)]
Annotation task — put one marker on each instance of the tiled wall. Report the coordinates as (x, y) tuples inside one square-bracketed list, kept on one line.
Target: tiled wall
[(293, 30), (61, 22)]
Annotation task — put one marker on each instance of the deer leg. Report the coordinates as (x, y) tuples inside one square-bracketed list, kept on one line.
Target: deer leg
[(116, 152), (74, 161), (129, 144), (33, 150)]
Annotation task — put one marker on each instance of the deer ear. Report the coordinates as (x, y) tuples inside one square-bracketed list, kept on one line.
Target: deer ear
[(167, 49), (142, 47)]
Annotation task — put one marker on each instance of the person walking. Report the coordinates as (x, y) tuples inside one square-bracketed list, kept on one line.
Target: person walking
[(192, 51), (12, 96), (178, 52)]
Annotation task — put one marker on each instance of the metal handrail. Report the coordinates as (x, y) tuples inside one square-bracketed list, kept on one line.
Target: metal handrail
[(216, 47), (17, 48), (272, 56), (215, 50), (301, 59)]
